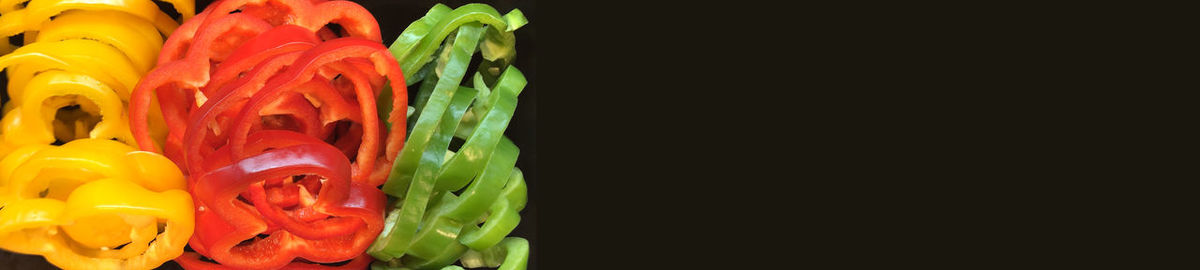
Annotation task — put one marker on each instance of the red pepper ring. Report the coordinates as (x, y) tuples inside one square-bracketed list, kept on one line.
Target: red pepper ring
[(175, 47), (231, 95), (318, 229), (281, 39), (290, 112), (227, 221), (312, 15), (191, 260), (304, 70), (175, 82)]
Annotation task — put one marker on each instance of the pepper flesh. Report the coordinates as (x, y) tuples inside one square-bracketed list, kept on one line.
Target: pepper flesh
[(76, 203), (430, 227), (95, 201), (273, 117), (85, 61)]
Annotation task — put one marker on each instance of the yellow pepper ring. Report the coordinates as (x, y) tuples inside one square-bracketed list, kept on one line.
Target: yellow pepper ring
[(87, 57), (117, 200), (31, 123), (138, 41), (39, 11)]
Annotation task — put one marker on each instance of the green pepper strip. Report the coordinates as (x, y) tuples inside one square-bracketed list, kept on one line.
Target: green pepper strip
[(514, 251), (499, 42), (436, 244), (483, 140), (394, 241), (416, 31), (423, 94), (414, 55), (402, 172), (427, 150), (403, 45), (503, 217)]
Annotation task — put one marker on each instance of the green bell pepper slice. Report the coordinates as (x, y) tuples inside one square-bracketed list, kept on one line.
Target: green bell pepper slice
[(413, 52), (406, 163), (416, 31), (485, 135), (513, 250), (436, 243), (423, 233), (394, 241), (503, 216)]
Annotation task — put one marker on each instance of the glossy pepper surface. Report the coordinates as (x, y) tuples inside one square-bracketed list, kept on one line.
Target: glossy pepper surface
[(93, 204), (73, 188), (273, 116), (73, 76), (430, 227)]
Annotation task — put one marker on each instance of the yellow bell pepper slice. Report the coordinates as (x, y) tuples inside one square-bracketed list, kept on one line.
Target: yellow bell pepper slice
[(34, 119), (37, 12), (88, 57), (102, 205), (137, 40)]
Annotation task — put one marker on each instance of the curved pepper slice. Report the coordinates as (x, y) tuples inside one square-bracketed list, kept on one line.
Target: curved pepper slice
[(503, 215), (431, 234), (136, 39), (304, 71), (34, 121), (36, 12), (184, 73), (437, 243), (483, 137), (395, 242), (87, 57), (406, 164), (512, 253), (226, 221), (93, 203), (415, 48), (87, 60)]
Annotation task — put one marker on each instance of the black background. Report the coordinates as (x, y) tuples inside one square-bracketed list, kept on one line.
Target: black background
[(393, 17)]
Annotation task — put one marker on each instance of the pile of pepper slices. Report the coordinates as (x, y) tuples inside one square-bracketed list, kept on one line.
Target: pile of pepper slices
[(258, 134)]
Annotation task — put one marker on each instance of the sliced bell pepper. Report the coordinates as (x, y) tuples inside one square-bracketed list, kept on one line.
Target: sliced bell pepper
[(17, 20), (93, 203), (416, 47), (393, 243), (33, 122), (406, 165), (430, 227), (225, 221), (512, 253)]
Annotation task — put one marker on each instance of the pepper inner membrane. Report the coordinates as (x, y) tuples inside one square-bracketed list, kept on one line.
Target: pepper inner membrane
[(74, 117)]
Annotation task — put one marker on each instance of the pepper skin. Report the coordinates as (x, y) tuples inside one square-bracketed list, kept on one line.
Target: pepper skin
[(86, 60), (94, 204), (430, 227), (273, 118), (349, 211)]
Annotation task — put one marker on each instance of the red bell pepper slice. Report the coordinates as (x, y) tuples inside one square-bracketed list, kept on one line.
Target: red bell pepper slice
[(303, 72), (187, 55), (198, 127), (176, 82), (224, 221)]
